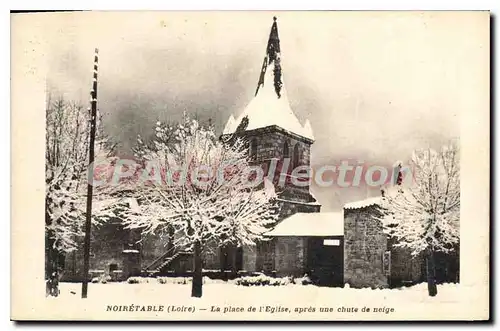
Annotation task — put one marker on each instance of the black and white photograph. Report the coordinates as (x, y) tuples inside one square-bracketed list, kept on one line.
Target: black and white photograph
[(315, 165)]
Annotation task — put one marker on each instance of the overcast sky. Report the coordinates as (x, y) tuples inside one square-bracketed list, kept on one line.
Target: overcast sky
[(374, 85)]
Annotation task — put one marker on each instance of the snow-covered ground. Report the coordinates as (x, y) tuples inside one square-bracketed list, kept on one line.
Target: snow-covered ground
[(290, 302), (220, 291)]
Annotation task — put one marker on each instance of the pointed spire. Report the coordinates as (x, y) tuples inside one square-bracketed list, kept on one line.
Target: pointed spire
[(273, 45), (272, 58), (270, 106)]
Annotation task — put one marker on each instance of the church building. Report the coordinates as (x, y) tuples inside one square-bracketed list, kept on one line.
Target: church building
[(296, 244), (332, 248)]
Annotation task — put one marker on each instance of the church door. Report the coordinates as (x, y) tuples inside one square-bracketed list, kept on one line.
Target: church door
[(325, 261)]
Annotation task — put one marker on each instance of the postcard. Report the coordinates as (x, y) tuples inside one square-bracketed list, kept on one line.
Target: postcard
[(231, 166)]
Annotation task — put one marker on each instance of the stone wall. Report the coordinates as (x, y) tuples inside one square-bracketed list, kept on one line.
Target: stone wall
[(405, 268), (264, 260), (364, 247), (108, 242), (270, 145), (211, 256), (365, 244), (289, 256), (250, 258), (152, 247), (106, 250)]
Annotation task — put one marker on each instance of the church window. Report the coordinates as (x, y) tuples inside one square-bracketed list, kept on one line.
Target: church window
[(296, 156), (253, 149), (286, 151)]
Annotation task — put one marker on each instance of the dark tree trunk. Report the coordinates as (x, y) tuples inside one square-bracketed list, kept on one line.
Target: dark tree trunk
[(222, 260), (51, 262), (196, 290), (170, 242), (52, 269), (431, 273), (234, 269)]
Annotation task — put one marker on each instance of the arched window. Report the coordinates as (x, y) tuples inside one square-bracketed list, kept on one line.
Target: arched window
[(296, 156), (253, 149), (286, 151)]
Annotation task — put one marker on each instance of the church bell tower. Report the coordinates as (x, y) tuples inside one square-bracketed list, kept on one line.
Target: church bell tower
[(276, 138)]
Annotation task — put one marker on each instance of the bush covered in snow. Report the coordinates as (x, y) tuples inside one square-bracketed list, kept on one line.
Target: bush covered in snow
[(141, 280), (304, 280), (101, 279), (263, 280), (188, 280), (105, 279), (257, 280), (171, 280), (208, 280), (174, 280)]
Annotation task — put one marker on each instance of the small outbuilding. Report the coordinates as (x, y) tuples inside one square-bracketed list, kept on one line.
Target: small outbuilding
[(370, 260), (312, 244)]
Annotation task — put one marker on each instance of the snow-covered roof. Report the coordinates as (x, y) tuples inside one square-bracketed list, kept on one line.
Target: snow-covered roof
[(130, 251), (312, 203), (310, 225), (270, 106), (267, 109), (316, 201), (363, 203), (230, 127)]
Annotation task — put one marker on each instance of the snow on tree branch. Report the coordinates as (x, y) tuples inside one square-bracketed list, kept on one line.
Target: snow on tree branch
[(66, 163), (427, 214), (200, 188)]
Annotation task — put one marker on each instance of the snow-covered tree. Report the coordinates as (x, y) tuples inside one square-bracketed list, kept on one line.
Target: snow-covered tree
[(65, 155), (424, 216), (66, 165), (197, 187)]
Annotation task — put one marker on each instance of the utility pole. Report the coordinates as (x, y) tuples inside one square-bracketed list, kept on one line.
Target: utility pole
[(88, 219)]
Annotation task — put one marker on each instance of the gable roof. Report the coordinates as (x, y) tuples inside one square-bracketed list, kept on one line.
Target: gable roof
[(310, 225)]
